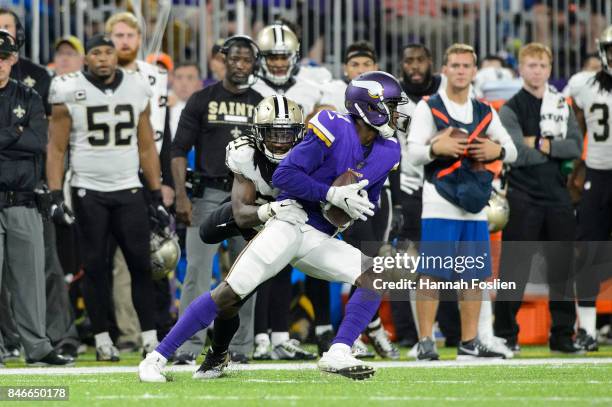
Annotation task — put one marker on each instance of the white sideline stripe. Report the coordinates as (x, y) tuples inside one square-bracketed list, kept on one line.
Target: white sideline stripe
[(558, 362)]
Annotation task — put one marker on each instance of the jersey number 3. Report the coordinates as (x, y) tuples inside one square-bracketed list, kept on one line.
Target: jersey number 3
[(103, 137), (602, 122)]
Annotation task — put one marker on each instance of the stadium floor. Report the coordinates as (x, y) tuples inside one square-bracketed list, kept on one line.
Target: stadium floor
[(534, 378)]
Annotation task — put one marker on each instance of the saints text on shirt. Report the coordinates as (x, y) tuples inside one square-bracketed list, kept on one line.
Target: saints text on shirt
[(229, 112)]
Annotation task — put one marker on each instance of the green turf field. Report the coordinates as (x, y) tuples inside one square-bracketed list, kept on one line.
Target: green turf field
[(558, 383)]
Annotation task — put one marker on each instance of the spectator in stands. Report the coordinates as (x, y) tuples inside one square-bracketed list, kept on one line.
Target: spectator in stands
[(69, 55), (540, 205), (186, 81)]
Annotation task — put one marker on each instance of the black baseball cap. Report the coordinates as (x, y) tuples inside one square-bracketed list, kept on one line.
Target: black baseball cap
[(98, 41), (8, 44)]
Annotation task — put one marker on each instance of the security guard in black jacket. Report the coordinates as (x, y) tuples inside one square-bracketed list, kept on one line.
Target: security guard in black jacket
[(23, 139)]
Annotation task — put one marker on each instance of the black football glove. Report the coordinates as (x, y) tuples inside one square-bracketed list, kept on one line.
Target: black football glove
[(59, 211), (397, 221), (157, 212)]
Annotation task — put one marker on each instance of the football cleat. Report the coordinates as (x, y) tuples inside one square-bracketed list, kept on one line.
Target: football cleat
[(499, 345), (184, 358), (239, 358), (586, 341), (107, 353), (361, 351), (12, 353), (290, 350), (262, 350), (148, 348), (150, 369), (51, 359), (340, 361), (213, 365), (426, 349), (475, 349), (565, 345), (381, 343)]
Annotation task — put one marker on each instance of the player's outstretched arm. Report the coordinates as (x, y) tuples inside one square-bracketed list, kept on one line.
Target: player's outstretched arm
[(149, 160), (59, 137)]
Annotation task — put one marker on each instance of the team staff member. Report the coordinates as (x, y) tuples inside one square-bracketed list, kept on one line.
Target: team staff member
[(103, 115), (32, 75), (23, 137), (211, 119), (540, 205)]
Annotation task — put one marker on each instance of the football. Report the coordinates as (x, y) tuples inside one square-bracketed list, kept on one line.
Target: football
[(461, 133), (336, 216)]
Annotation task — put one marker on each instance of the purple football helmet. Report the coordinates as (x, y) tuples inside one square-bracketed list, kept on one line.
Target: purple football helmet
[(373, 97)]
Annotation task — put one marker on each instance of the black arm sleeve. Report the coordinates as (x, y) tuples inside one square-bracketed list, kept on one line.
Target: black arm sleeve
[(8, 135), (189, 127), (394, 181), (33, 139), (164, 154)]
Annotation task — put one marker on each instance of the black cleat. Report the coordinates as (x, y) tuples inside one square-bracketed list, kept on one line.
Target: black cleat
[(586, 341), (213, 365), (51, 359), (324, 341), (361, 372), (426, 350), (240, 358), (566, 345)]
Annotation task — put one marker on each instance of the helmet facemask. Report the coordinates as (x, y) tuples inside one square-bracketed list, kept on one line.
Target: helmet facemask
[(279, 79), (276, 140)]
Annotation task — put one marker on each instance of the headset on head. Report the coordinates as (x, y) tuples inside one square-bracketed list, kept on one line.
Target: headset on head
[(20, 31), (244, 38), (13, 41)]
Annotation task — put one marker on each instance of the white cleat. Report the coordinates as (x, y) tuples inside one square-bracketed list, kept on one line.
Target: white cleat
[(497, 344), (150, 369), (339, 360)]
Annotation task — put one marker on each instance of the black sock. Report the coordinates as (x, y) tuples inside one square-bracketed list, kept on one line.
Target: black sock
[(224, 332), (464, 343)]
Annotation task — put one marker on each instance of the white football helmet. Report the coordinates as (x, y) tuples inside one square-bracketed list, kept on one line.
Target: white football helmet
[(278, 125), (603, 42), (278, 39)]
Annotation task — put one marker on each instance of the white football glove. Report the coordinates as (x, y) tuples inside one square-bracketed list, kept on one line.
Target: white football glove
[(352, 200), (287, 210)]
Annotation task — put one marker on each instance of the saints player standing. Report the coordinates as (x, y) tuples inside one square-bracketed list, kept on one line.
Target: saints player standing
[(592, 94), (102, 113)]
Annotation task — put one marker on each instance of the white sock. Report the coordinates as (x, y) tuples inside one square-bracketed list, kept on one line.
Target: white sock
[(103, 338), (263, 339), (340, 347), (279, 337), (321, 329), (375, 324), (149, 337), (587, 317), (485, 319)]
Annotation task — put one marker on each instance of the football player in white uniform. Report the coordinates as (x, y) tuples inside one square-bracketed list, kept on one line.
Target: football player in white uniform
[(102, 114), (592, 94), (278, 67), (277, 126), (125, 31)]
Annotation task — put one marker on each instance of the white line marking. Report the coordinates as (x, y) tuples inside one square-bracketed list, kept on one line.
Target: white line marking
[(553, 363)]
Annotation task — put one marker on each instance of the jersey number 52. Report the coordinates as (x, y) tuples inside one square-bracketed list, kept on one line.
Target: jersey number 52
[(122, 133)]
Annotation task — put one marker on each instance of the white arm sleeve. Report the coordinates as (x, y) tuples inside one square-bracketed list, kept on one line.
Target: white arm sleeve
[(422, 130), (497, 132)]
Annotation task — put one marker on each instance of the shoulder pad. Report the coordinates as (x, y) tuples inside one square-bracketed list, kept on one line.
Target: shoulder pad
[(239, 154), (579, 81), (328, 125), (67, 88)]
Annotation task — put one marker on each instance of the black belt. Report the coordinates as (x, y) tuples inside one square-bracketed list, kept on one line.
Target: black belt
[(16, 198), (222, 183)]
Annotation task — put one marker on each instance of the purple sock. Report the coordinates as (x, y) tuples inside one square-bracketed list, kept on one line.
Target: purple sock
[(198, 315), (359, 312)]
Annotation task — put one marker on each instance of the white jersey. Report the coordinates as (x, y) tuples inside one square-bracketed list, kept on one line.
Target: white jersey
[(333, 95), (239, 158), (318, 74), (305, 93), (597, 107), (411, 176), (157, 78), (103, 137)]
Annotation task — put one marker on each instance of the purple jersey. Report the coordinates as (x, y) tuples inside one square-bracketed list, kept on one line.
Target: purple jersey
[(331, 147)]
